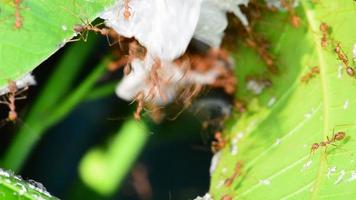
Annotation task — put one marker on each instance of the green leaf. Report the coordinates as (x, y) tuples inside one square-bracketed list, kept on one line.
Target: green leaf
[(14, 188), (103, 170), (273, 139), (47, 26)]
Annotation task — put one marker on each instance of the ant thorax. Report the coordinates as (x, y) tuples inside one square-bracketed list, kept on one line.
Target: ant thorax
[(13, 92)]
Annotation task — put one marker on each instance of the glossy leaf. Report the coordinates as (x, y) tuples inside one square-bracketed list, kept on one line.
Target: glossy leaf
[(272, 140), (46, 27), (13, 188)]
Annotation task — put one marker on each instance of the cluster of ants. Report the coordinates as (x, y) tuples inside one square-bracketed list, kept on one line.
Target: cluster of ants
[(340, 53), (325, 30)]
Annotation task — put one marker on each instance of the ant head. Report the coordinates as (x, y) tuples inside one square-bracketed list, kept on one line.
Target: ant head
[(78, 28), (12, 86), (324, 27), (339, 135), (218, 135), (315, 69), (314, 146)]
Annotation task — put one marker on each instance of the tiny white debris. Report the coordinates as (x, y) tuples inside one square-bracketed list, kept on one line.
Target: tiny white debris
[(341, 176), (23, 189), (277, 4), (265, 182), (224, 170), (271, 101), (305, 146), (207, 196), (250, 126), (353, 176), (278, 141), (255, 86), (220, 184), (240, 135), (331, 170), (346, 104), (39, 187), (339, 71), (307, 164), (308, 115), (214, 162), (4, 173), (234, 149), (64, 27)]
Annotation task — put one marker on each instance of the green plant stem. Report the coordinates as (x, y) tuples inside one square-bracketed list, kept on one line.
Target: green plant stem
[(104, 169), (31, 132), (101, 91)]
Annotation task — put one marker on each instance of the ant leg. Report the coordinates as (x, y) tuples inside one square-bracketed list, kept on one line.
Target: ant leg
[(20, 98), (109, 42), (76, 39)]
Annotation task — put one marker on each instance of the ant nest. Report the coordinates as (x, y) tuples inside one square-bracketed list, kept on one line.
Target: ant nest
[(158, 68)]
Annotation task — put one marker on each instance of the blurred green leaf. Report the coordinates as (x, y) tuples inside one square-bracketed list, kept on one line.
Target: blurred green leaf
[(23, 143), (273, 139), (103, 169), (47, 26)]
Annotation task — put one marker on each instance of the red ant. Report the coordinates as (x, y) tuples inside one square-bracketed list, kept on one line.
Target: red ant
[(226, 197), (220, 142), (84, 29), (10, 99), (294, 19), (140, 105), (344, 59), (314, 71), (324, 28), (127, 13), (135, 50), (329, 141), (260, 45), (18, 17), (240, 106), (237, 171)]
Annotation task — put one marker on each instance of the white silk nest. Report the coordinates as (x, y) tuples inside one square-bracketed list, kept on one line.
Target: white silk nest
[(165, 28)]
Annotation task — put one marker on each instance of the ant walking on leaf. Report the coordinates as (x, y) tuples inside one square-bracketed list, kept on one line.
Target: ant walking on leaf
[(18, 17), (85, 27), (313, 72), (235, 174), (325, 29), (294, 19), (344, 59), (336, 137)]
